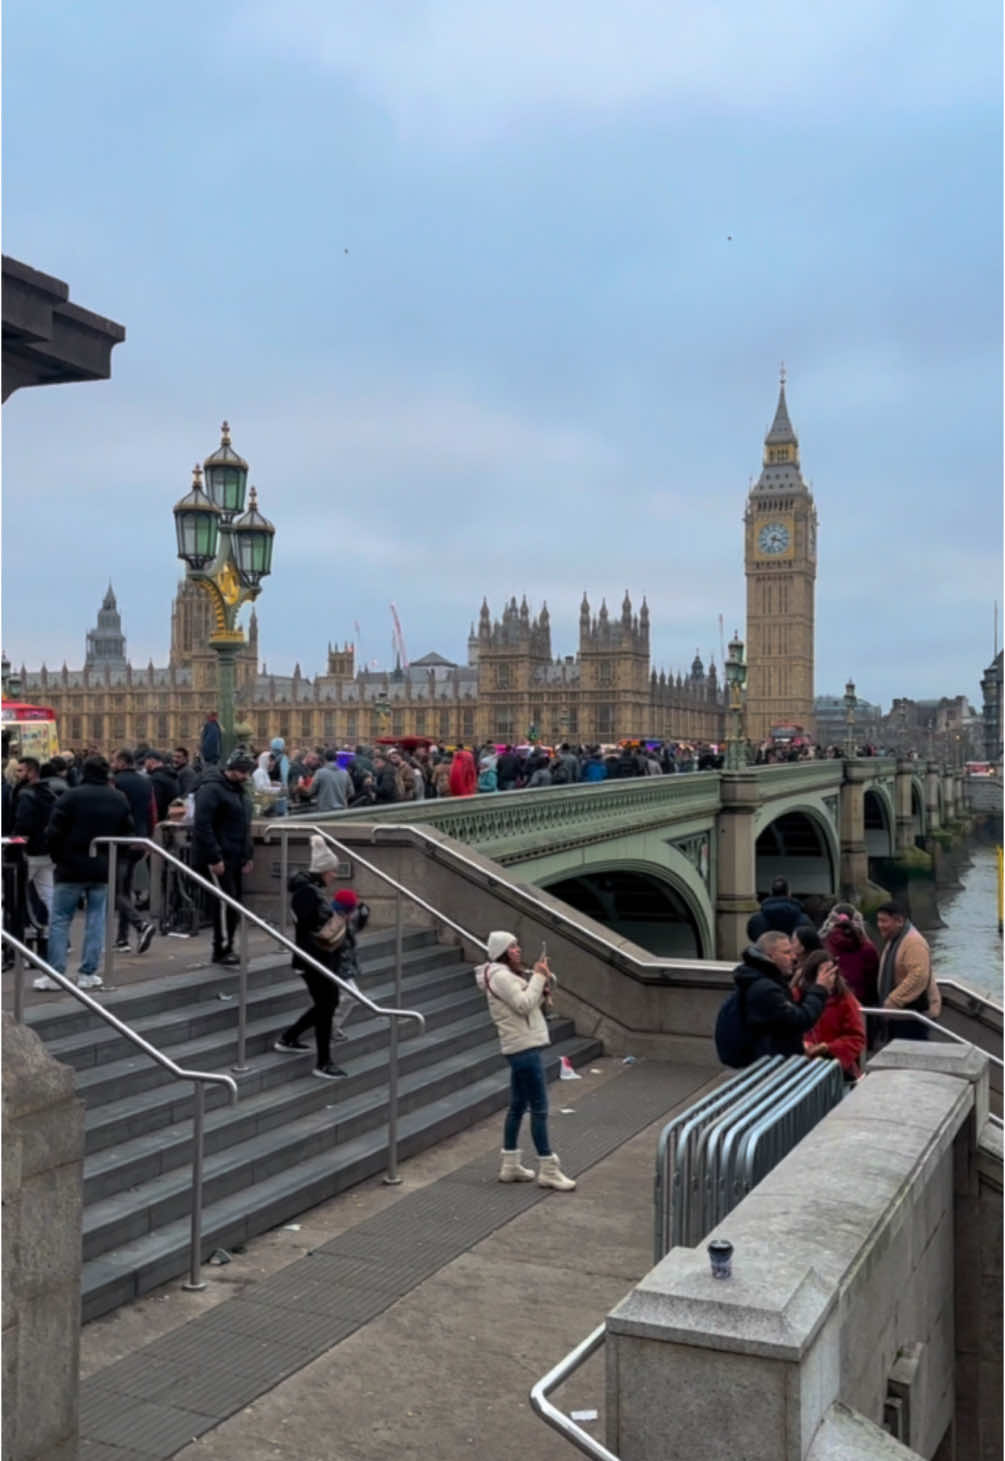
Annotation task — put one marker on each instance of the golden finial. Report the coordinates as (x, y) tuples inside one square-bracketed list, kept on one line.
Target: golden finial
[(197, 475), (253, 500), (225, 434), (781, 373)]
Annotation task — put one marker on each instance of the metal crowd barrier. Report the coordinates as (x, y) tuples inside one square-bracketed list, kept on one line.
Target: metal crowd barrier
[(714, 1153)]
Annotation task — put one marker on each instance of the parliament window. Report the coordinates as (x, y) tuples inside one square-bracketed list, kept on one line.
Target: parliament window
[(351, 726), (503, 677), (420, 722), (444, 725), (163, 733), (605, 720), (397, 723), (605, 675), (469, 725), (305, 724), (329, 725)]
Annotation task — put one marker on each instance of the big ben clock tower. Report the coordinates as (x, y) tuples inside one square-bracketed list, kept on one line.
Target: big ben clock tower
[(780, 557)]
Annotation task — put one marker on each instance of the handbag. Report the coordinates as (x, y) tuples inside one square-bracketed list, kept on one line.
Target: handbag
[(331, 935)]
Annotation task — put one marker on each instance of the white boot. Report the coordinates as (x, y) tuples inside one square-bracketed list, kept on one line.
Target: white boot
[(550, 1174), (511, 1170)]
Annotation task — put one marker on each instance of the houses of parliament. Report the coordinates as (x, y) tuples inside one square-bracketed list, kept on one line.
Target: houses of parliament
[(511, 687)]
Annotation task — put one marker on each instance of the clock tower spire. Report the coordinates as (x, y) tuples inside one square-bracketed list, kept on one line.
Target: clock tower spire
[(780, 557)]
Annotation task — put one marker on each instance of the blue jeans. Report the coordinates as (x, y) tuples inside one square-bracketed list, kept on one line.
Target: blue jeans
[(527, 1088), (65, 897)]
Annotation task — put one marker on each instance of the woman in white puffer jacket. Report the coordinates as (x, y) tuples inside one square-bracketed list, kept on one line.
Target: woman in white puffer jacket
[(514, 997)]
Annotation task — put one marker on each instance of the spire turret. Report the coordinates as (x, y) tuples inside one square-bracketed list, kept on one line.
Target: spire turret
[(781, 433)]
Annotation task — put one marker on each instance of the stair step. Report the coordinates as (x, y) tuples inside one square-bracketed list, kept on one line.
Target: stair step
[(296, 1092), (86, 1050), (145, 1262), (465, 1053), (66, 1016), (103, 1084)]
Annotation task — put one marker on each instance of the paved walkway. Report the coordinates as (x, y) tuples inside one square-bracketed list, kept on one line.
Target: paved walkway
[(412, 1321)]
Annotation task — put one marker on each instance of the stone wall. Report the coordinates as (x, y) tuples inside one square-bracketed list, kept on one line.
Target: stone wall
[(665, 1010), (858, 1291), (43, 1149)]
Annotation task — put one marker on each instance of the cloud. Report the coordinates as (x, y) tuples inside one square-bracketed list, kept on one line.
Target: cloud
[(467, 70)]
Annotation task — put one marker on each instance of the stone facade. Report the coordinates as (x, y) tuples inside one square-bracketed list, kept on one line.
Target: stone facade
[(780, 556), (510, 684), (43, 1155)]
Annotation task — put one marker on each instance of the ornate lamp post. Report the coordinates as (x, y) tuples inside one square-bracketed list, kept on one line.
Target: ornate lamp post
[(849, 718), (736, 679), (227, 555)]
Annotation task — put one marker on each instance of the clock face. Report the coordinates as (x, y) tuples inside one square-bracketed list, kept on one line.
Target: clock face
[(773, 538)]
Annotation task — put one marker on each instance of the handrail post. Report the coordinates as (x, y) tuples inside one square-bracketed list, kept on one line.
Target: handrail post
[(392, 1179), (284, 877), (242, 1008), (18, 988), (194, 1283), (111, 912)]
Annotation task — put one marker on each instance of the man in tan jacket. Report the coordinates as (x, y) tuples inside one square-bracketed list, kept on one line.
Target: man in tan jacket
[(906, 981)]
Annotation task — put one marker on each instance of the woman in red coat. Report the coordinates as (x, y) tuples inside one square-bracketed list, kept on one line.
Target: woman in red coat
[(839, 1034), (463, 775)]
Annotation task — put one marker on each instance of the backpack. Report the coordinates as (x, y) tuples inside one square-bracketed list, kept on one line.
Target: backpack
[(487, 780), (734, 1043)]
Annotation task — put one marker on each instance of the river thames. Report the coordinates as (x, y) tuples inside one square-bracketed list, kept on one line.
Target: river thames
[(969, 948)]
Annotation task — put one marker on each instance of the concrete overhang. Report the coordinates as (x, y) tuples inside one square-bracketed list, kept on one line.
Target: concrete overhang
[(47, 340)]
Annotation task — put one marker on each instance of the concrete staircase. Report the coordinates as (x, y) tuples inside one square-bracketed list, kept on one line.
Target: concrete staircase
[(291, 1141)]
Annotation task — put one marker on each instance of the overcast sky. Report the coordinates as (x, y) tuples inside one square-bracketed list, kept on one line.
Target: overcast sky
[(494, 298)]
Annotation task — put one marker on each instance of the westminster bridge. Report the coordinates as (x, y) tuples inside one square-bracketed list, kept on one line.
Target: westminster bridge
[(676, 863)]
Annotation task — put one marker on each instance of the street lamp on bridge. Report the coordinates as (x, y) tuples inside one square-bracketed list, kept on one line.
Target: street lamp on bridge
[(225, 557), (849, 716), (736, 679)]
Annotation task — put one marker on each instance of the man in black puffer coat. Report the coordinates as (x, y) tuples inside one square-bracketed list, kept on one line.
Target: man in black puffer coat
[(774, 1021), (92, 809), (221, 842)]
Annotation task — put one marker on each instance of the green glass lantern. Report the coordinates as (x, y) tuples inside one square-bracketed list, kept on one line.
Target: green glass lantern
[(197, 524), (253, 537), (226, 477)]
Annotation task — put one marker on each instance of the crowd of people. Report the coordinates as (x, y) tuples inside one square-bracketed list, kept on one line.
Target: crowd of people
[(800, 991)]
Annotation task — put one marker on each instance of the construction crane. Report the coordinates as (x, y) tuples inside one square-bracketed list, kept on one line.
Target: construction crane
[(399, 639)]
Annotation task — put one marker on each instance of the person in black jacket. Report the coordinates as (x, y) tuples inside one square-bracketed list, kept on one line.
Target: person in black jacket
[(164, 782), (33, 804), (92, 809), (775, 1022), (779, 911), (137, 791), (221, 842), (312, 907)]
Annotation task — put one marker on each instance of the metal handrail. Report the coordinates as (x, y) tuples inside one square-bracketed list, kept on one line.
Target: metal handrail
[(895, 1014), (284, 828), (199, 1079), (247, 916), (557, 1419), (974, 994)]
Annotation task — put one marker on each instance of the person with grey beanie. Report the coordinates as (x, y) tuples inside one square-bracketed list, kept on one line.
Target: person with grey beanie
[(515, 996)]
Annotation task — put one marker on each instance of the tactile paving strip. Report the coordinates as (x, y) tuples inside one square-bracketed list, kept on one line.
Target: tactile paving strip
[(153, 1403)]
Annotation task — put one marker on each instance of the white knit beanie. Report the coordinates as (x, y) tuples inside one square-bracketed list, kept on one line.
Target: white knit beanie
[(323, 860), (499, 942)]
